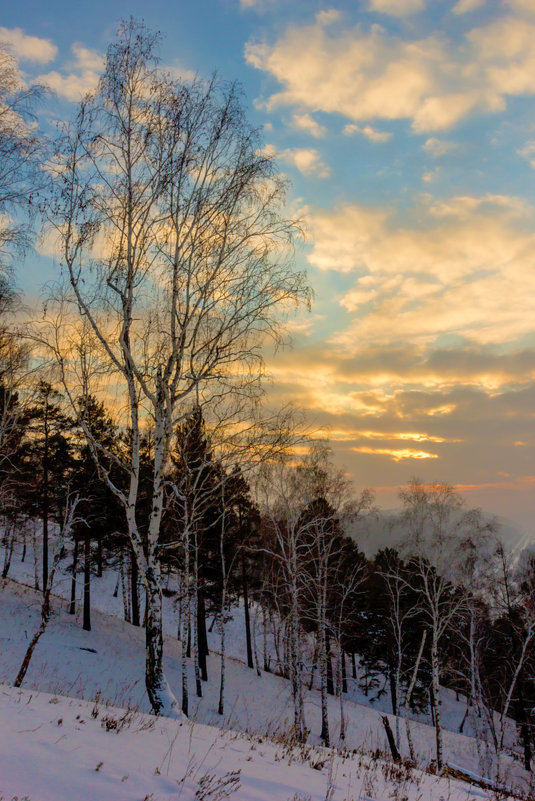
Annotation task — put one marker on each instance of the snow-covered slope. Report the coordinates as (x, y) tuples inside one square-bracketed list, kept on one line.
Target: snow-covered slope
[(60, 749), (108, 662)]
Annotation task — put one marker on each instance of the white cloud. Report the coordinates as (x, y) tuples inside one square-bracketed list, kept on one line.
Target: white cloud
[(373, 74), (307, 123), (307, 160), (465, 6), (437, 147), (28, 48), (528, 152), (326, 17), (81, 76), (179, 73), (87, 59), (398, 8), (366, 130), (430, 175), (260, 5)]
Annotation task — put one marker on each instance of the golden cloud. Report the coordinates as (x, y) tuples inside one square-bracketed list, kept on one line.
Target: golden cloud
[(306, 159), (372, 74), (447, 276), (397, 454)]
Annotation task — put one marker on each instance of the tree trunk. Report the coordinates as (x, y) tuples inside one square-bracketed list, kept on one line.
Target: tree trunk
[(186, 629), (323, 662), (393, 692), (390, 737), (267, 666), (125, 590), (247, 615), (435, 669), (99, 557), (87, 581), (330, 682), (409, 695), (8, 550), (202, 636), (72, 606), (160, 695), (314, 664), (340, 682), (255, 648), (221, 706), (45, 499), (134, 578)]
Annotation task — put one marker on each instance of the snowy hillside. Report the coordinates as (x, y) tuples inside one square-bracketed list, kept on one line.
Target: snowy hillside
[(108, 662), (80, 751)]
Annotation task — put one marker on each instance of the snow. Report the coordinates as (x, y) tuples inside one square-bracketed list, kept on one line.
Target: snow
[(75, 666), (61, 749)]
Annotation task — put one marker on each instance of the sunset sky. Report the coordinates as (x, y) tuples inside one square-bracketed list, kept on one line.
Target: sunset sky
[(407, 128)]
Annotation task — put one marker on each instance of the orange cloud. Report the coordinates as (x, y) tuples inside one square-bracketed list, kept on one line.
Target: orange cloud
[(397, 454)]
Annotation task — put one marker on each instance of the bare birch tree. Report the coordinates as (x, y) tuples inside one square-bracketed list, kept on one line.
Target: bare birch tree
[(435, 528), (175, 244)]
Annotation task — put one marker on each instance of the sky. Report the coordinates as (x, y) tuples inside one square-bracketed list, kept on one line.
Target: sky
[(407, 130)]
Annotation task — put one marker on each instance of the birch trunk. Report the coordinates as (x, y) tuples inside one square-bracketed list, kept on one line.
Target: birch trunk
[(409, 695), (124, 590), (72, 605), (435, 671), (322, 658)]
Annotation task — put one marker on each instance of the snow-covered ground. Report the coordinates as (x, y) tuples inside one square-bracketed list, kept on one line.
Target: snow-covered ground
[(61, 749), (108, 663)]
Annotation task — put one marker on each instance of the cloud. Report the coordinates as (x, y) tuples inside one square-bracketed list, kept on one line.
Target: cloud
[(346, 365), (28, 48), (179, 73), (397, 454), (411, 436), (437, 147), (81, 76), (305, 122), (528, 152), (464, 206), (465, 6), (446, 276), (366, 130), (373, 74), (307, 160), (398, 8), (525, 6), (259, 5), (430, 175), (327, 17)]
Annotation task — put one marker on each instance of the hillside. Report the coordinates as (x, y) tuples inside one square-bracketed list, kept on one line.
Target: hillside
[(107, 663)]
